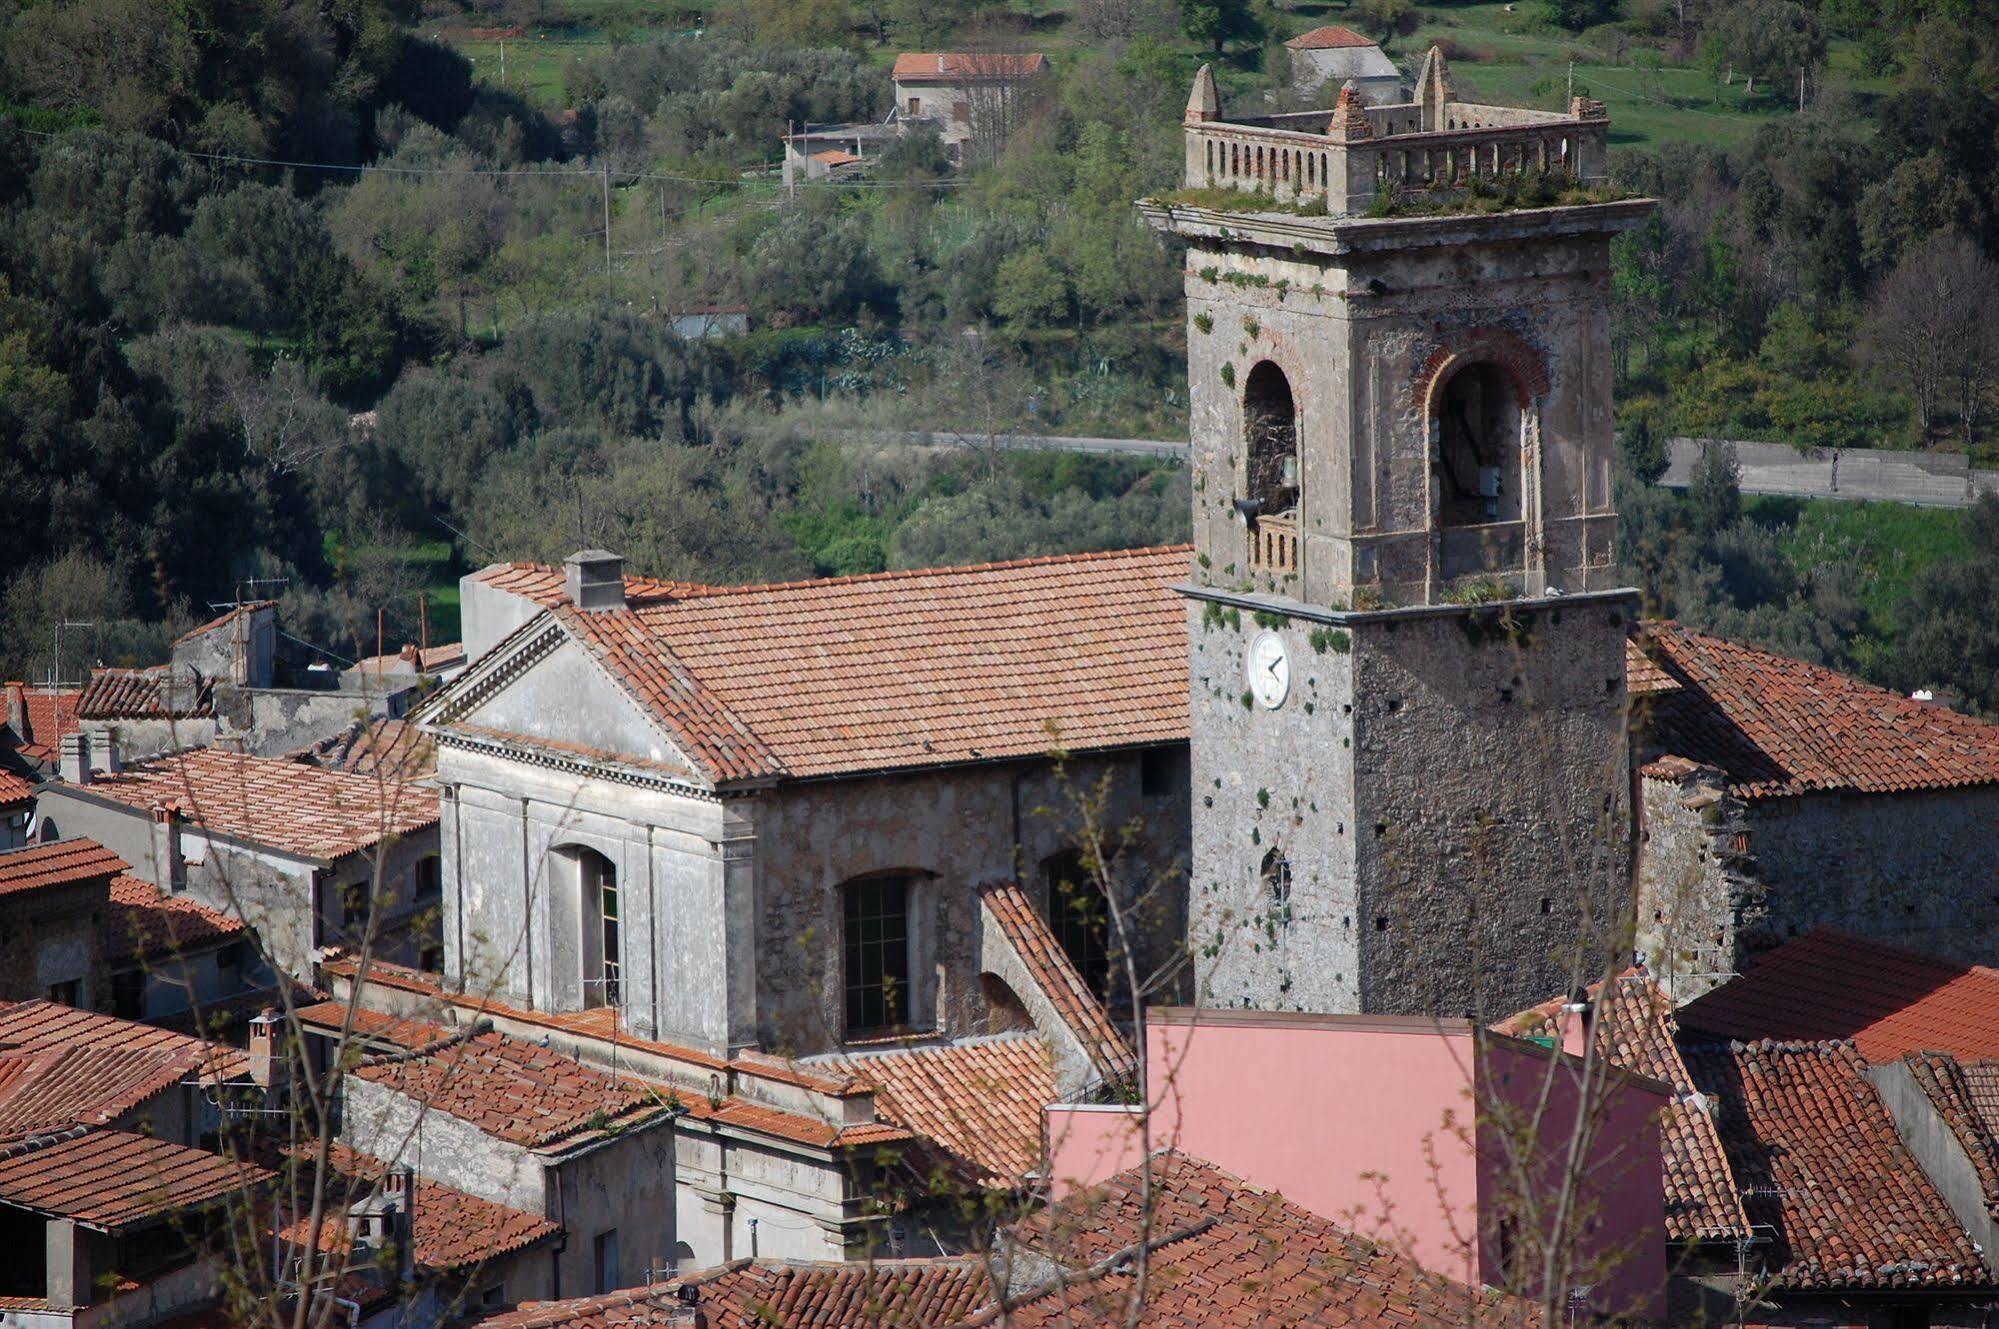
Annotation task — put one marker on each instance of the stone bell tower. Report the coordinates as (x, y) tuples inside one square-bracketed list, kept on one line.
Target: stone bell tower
[(1411, 791)]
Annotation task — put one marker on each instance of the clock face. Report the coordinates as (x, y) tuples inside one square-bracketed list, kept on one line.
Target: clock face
[(1269, 670)]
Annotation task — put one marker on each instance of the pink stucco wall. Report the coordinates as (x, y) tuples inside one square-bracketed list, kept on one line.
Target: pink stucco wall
[(1370, 1121)]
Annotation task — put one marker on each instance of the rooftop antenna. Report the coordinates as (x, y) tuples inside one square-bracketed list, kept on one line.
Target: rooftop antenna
[(62, 623)]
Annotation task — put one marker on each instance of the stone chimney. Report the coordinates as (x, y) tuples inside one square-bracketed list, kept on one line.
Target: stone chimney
[(265, 1053), (109, 760), (73, 762), (17, 709), (169, 863), (596, 579)]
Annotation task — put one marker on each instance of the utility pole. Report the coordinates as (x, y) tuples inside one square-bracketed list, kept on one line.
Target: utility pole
[(607, 227), (1572, 80), (1801, 89)]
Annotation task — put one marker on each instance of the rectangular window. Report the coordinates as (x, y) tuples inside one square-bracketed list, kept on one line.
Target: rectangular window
[(67, 993), (495, 1295), (607, 898), (128, 994), (876, 946), (607, 1261), (915, 106), (356, 900), (430, 879), (1162, 771)]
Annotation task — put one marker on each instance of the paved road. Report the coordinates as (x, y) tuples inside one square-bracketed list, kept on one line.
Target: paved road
[(1117, 447), (1930, 479)]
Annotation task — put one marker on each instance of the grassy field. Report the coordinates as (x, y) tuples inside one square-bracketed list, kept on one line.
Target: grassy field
[(1895, 542)]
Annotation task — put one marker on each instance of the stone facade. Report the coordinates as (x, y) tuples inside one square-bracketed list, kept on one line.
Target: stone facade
[(1722, 879), (1401, 455)]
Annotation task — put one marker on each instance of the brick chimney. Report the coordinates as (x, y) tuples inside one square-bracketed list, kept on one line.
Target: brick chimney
[(73, 761), (17, 709), (595, 579)]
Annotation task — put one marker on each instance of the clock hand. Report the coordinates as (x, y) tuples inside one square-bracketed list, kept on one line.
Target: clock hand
[(1271, 667)]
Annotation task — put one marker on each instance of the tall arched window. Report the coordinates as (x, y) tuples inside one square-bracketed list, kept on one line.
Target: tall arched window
[(1270, 428), (1079, 917), (1276, 878), (1478, 447), (875, 953), (602, 916)]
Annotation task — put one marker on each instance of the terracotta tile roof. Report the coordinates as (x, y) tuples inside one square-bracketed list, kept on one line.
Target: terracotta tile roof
[(1966, 1096), (449, 1229), (1058, 978), (51, 713), (37, 1026), (835, 157), (397, 749), (291, 807), (412, 659), (547, 587), (1642, 675), (1230, 1253), (1829, 985), (1819, 1159), (59, 863), (142, 922), (779, 1294), (1637, 1031), (224, 619), (370, 1027), (1780, 726), (84, 1086), (908, 669), (15, 789), (965, 66), (527, 1095), (1331, 37), (114, 1179), (979, 1102), (139, 694)]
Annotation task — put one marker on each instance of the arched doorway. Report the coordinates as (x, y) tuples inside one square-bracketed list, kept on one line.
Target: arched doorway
[(1478, 447)]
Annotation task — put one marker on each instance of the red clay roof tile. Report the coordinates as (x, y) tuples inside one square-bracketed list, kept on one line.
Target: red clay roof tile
[(140, 694), (527, 1095), (114, 1179), (907, 669), (143, 922), (1330, 37), (36, 1026), (1829, 985), (1231, 1254), (295, 808), (980, 1101), (449, 1228), (59, 863), (1778, 726), (1819, 1160), (60, 1087), (1058, 978), (965, 66)]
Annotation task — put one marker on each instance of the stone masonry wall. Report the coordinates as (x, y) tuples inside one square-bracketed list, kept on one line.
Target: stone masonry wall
[(958, 827), (1492, 812)]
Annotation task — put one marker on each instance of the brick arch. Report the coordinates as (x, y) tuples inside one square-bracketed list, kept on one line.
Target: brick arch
[(1522, 364)]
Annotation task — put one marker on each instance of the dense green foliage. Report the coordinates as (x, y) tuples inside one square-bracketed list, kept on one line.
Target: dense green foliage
[(215, 369)]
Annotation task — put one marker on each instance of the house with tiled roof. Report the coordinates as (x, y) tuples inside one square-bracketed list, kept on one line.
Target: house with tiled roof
[(52, 896), (761, 817), (1777, 797), (409, 1247), (1220, 1250), (535, 1131), (1334, 56), (103, 1226), (309, 857), (17, 808), (35, 721), (1816, 1169), (964, 94)]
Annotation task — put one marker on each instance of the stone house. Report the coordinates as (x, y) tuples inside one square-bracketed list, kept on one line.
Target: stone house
[(17, 809), (760, 815), (1778, 796), (35, 721), (311, 858), (965, 94), (537, 1132), (1341, 56), (107, 1194), (1828, 1146), (52, 897), (228, 682)]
